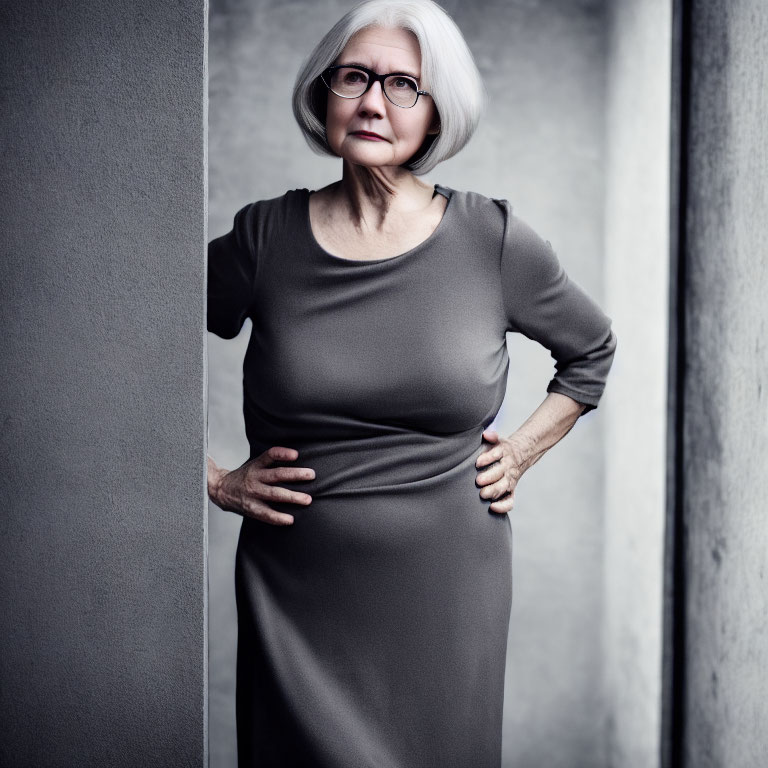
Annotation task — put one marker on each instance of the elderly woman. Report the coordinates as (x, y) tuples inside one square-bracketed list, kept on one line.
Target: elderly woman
[(373, 570)]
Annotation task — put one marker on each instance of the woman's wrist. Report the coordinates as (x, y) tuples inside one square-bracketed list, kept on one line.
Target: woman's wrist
[(215, 475), (551, 421), (522, 450)]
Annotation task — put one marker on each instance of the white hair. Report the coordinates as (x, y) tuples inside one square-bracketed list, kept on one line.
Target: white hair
[(448, 73)]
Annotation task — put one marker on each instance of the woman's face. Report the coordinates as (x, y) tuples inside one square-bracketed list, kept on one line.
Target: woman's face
[(401, 131)]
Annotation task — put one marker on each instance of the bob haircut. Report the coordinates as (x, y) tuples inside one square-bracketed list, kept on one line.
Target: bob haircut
[(448, 73)]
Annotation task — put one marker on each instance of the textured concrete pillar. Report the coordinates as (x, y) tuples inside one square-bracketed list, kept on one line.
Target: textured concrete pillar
[(102, 531), (725, 431), (637, 266)]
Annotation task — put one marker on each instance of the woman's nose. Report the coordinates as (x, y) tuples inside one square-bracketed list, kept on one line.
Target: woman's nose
[(372, 101)]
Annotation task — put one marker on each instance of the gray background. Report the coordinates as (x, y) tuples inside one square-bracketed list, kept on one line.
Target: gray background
[(559, 75), (102, 171), (637, 221)]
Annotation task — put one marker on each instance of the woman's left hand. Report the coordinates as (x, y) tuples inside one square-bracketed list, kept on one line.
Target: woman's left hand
[(498, 482)]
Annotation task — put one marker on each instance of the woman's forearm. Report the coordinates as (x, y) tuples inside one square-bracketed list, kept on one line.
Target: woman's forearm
[(545, 427)]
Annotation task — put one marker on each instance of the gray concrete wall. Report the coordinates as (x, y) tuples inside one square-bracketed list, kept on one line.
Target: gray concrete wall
[(726, 388), (541, 145), (102, 532), (637, 285)]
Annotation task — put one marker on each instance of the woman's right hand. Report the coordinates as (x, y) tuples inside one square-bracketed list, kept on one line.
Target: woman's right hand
[(248, 489)]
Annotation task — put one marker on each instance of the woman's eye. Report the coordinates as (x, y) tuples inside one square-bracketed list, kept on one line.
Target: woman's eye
[(354, 78), (403, 83)]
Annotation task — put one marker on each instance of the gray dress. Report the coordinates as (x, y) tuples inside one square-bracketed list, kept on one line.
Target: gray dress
[(373, 631)]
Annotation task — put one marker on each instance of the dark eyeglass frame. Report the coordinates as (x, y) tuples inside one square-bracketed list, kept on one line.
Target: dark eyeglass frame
[(373, 77)]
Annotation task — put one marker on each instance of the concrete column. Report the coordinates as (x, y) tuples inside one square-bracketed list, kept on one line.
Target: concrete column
[(102, 299), (725, 397)]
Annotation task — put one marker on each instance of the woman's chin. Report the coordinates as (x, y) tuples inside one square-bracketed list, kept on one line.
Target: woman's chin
[(368, 159), (372, 163), (377, 155)]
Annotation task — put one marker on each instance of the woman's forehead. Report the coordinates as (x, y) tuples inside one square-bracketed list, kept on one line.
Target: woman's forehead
[(384, 50)]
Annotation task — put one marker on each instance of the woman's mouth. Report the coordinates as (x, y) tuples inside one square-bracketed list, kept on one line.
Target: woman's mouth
[(368, 135)]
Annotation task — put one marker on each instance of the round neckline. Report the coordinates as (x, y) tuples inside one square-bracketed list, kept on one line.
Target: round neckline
[(439, 189)]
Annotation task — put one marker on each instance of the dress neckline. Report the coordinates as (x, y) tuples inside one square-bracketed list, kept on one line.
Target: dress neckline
[(446, 192)]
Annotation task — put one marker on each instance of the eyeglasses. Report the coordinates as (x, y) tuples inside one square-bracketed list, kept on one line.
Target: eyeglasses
[(353, 82)]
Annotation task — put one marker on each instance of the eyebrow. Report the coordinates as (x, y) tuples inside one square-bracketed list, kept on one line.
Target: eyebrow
[(365, 66)]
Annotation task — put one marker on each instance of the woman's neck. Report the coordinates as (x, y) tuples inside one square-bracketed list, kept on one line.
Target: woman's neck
[(374, 195)]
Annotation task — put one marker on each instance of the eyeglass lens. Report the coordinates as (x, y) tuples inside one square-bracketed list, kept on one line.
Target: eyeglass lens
[(350, 83)]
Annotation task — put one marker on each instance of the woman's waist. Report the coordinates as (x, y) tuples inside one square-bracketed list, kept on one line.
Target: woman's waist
[(391, 462)]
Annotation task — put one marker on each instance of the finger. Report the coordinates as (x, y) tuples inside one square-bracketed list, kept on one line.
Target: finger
[(491, 436), (276, 453), (278, 518), (488, 457), (285, 474), (503, 505), (496, 472), (260, 511), (278, 494), (495, 491)]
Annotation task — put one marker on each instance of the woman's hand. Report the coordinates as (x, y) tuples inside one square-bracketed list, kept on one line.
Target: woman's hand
[(247, 490), (507, 459)]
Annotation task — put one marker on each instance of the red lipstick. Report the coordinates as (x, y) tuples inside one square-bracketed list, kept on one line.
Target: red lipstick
[(368, 135)]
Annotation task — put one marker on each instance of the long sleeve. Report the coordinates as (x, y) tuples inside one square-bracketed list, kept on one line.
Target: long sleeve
[(232, 266), (542, 303)]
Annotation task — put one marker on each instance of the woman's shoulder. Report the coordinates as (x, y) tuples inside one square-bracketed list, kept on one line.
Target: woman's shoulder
[(274, 211), (471, 207), (494, 217), (476, 203), (287, 201), (261, 222)]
